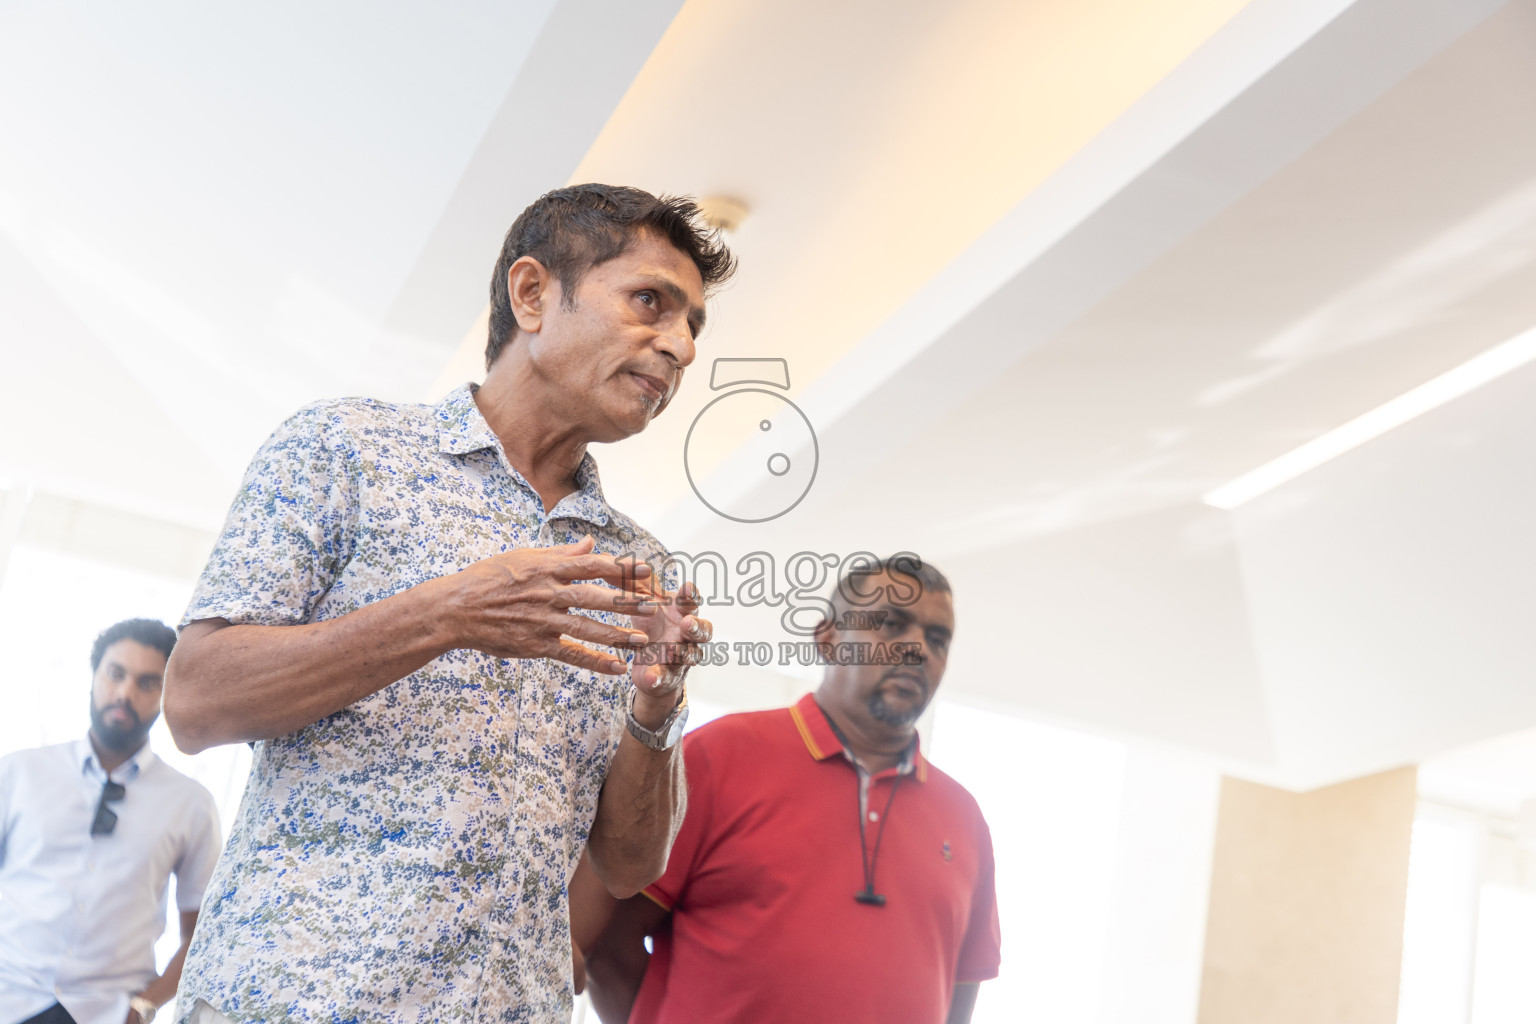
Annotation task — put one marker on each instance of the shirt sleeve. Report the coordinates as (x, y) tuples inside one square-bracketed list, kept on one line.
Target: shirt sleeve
[(195, 865), (981, 949), (672, 887), (290, 529)]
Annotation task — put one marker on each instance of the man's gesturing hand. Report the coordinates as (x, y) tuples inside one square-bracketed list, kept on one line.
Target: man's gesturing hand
[(519, 605), (671, 622)]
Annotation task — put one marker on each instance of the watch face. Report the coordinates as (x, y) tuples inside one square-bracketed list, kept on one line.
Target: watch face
[(779, 455), (675, 730)]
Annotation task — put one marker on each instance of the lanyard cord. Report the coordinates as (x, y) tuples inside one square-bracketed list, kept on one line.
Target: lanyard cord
[(867, 861)]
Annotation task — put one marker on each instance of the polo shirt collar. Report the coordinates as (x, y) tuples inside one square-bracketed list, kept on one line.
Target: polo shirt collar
[(821, 739), (462, 429), (85, 757)]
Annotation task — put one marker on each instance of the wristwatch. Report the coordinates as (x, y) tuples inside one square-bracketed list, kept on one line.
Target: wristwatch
[(143, 1007), (665, 735)]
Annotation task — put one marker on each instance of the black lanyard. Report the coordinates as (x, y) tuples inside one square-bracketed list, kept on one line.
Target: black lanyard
[(867, 860)]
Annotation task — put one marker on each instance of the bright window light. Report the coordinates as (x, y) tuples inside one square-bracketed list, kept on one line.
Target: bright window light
[(1438, 932), (1505, 989), (1469, 376), (1052, 801)]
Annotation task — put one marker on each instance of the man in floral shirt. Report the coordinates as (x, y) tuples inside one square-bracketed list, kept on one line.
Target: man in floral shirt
[(421, 617)]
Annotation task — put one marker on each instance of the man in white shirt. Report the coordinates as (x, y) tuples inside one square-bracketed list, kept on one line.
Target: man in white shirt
[(90, 833)]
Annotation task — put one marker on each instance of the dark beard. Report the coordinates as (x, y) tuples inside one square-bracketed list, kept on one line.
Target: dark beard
[(887, 715), (116, 738)]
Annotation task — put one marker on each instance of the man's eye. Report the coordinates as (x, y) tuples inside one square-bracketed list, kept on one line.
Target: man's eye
[(649, 298)]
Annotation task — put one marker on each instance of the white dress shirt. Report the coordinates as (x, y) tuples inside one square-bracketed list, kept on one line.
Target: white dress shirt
[(80, 913)]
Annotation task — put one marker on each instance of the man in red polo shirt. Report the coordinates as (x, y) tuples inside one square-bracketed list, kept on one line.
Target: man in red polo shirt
[(824, 870)]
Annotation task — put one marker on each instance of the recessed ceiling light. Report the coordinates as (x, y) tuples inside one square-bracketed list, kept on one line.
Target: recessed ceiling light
[(722, 212), (1469, 376)]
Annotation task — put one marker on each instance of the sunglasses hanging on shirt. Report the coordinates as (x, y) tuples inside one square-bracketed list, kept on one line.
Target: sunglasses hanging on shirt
[(106, 818)]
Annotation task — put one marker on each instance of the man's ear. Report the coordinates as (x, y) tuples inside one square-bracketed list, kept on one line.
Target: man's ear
[(531, 288), (824, 630)]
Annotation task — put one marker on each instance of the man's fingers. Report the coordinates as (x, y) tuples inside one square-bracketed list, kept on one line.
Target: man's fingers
[(698, 630), (659, 679), (687, 598), (602, 567), (678, 654), (573, 653), (663, 666), (599, 599), (592, 631)]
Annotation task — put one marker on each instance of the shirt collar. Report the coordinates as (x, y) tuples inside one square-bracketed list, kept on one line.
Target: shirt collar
[(461, 429), (587, 502), (85, 757), (822, 741)]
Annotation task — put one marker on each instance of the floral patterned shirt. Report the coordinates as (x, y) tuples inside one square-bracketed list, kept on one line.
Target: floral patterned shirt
[(406, 858)]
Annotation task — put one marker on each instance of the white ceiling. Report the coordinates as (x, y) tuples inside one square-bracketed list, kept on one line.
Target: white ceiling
[(1043, 274)]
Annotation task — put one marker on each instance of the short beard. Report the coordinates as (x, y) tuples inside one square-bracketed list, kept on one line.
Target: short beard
[(895, 718), (114, 737)]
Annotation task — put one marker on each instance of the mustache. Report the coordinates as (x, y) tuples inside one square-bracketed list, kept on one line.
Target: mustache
[(906, 672), (670, 377), (122, 706)]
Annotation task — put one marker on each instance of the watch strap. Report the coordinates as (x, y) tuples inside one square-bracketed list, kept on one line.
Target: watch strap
[(655, 738)]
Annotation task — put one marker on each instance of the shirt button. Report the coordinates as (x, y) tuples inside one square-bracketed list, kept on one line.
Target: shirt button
[(874, 815), (496, 948)]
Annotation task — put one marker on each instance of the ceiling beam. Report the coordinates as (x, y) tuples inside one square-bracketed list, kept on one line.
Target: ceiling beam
[(586, 54), (1270, 84)]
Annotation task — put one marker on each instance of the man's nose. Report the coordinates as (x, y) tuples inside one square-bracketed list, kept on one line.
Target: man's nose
[(676, 340), (917, 641)]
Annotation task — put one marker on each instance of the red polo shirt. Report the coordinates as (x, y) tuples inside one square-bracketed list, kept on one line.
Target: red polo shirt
[(762, 879)]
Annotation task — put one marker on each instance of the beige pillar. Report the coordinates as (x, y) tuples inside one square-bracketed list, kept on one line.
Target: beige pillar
[(1307, 899)]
